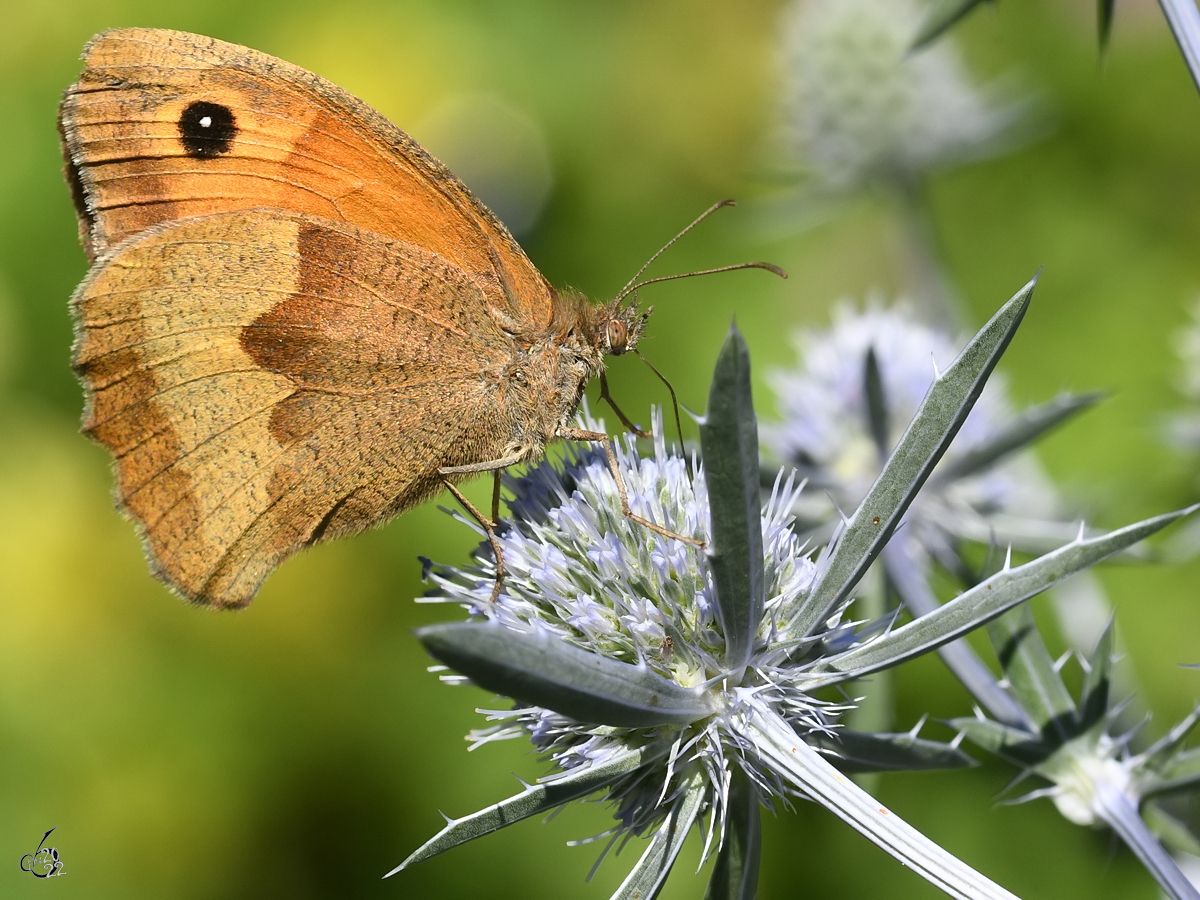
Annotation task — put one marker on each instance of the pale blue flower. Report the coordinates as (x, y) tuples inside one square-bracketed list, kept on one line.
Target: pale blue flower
[(860, 105)]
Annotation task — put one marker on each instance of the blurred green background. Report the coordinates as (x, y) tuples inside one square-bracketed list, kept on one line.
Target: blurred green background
[(300, 748)]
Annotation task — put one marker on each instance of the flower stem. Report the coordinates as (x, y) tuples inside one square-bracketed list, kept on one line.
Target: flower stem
[(935, 298), (1120, 812), (911, 584), (1184, 20), (875, 712), (807, 770)]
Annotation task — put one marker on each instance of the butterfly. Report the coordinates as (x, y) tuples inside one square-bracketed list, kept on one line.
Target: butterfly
[(297, 323)]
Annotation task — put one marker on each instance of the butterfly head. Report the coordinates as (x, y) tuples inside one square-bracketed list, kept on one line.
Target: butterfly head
[(620, 327)]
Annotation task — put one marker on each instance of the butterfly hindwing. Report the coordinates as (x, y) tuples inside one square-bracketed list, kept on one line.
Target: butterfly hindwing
[(258, 395)]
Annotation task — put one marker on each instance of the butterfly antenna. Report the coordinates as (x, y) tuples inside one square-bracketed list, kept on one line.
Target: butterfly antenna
[(747, 265), (625, 291)]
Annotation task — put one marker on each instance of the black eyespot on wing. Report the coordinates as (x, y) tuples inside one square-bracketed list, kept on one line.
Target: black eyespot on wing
[(207, 129)]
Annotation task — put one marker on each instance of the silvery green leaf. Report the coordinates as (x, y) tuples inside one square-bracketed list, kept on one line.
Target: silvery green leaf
[(1020, 432), (729, 442), (822, 782), (987, 600), (1169, 830), (1021, 746), (1184, 19), (877, 410), (1093, 698), (1166, 746), (651, 871), (875, 708), (941, 414), (547, 671), (1120, 813), (735, 875), (855, 751), (1029, 668), (942, 14), (1160, 752), (909, 579), (534, 800), (1180, 773)]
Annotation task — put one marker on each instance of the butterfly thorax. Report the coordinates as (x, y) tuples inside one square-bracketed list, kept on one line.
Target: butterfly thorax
[(552, 366)]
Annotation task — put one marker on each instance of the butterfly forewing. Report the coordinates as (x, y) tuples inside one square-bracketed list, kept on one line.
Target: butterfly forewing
[(164, 125)]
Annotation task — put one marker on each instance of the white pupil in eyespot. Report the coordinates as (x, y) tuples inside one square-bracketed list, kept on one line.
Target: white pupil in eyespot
[(206, 122)]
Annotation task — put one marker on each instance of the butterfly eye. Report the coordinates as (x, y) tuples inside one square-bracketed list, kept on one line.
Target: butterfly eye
[(207, 129), (618, 336)]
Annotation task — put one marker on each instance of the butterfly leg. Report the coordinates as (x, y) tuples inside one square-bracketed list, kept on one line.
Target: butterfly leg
[(607, 398), (488, 525), (674, 406), (599, 437), (495, 466)]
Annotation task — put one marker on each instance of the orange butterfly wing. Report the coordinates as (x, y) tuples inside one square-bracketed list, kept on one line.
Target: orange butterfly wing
[(259, 393), (296, 315), (138, 155)]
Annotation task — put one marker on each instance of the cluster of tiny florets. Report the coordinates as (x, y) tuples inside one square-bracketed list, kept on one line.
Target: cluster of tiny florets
[(824, 401), (860, 105), (578, 568), (825, 432)]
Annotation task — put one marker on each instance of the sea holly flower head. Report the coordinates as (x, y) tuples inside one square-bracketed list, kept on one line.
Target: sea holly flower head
[(1093, 775), (827, 429), (848, 402), (694, 684), (577, 569), (860, 106)]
